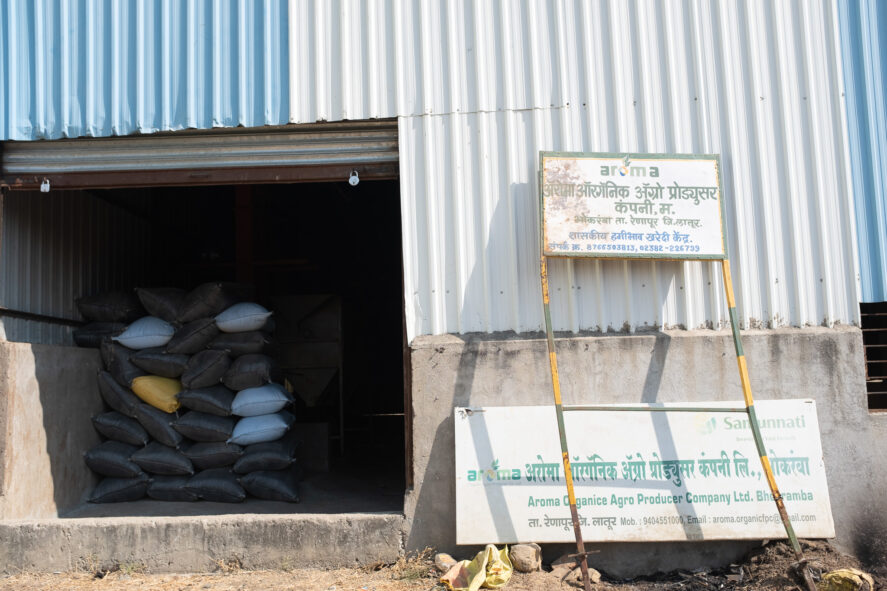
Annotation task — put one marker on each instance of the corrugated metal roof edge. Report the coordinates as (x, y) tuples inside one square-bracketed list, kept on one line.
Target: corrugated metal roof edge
[(386, 122)]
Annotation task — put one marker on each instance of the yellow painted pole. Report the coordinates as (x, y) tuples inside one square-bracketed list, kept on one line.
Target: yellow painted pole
[(753, 422), (582, 557)]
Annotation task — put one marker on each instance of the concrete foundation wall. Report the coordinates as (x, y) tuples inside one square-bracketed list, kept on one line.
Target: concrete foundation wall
[(824, 364), (194, 544), (48, 395)]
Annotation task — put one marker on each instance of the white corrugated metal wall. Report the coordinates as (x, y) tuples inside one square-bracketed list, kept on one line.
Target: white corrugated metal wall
[(55, 247), (481, 87)]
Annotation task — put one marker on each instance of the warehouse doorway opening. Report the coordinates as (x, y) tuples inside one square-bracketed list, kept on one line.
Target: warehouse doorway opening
[(324, 257), (270, 209)]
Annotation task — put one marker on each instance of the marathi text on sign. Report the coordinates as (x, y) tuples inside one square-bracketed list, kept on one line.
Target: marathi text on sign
[(596, 205), (638, 475)]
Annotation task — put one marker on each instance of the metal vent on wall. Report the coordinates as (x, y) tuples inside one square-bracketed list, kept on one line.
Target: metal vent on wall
[(874, 340)]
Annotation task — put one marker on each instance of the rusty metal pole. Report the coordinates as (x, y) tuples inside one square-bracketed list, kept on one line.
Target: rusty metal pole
[(582, 557), (756, 431)]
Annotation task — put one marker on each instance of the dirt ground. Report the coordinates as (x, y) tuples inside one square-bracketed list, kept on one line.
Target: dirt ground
[(765, 569)]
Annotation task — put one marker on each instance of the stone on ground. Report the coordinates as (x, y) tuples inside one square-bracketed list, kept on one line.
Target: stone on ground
[(443, 562), (562, 566), (526, 558)]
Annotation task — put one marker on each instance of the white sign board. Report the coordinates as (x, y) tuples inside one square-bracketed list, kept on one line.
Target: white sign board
[(631, 206), (639, 475)]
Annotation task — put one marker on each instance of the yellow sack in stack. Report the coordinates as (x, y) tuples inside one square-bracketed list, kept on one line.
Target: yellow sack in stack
[(491, 568), (158, 392)]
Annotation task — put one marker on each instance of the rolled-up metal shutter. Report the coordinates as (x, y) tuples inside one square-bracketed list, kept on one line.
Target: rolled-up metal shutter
[(299, 153)]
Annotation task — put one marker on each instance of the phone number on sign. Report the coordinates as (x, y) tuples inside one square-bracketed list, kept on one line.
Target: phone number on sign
[(618, 247), (669, 248), (664, 520)]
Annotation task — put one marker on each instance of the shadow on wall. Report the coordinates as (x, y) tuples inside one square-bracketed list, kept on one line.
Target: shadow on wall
[(66, 377), (434, 515)]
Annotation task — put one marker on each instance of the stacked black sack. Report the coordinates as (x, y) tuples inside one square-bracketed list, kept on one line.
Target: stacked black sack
[(107, 315), (172, 379), (267, 468)]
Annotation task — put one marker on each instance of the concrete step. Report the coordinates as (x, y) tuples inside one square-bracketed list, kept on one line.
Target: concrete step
[(202, 543)]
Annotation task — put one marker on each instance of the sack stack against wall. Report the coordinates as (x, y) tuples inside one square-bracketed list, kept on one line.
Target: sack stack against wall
[(197, 408)]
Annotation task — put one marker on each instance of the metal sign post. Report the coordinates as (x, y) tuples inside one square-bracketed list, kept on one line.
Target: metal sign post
[(581, 555), (646, 206)]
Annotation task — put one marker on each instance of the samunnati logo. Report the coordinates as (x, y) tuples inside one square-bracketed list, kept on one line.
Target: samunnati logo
[(494, 474), (705, 426)]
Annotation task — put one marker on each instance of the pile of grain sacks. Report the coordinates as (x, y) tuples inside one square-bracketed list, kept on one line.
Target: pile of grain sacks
[(198, 410)]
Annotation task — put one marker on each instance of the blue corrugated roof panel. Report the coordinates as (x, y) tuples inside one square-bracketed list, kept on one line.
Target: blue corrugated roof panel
[(98, 68), (864, 45), (4, 83)]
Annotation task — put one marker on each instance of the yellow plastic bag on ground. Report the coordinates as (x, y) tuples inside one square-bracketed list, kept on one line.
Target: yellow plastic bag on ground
[(158, 392), (846, 579), (491, 568)]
